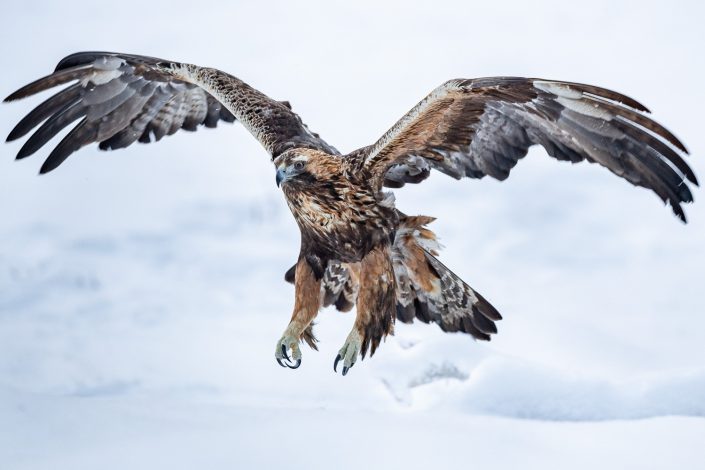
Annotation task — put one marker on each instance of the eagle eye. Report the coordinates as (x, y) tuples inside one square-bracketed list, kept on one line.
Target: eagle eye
[(299, 165)]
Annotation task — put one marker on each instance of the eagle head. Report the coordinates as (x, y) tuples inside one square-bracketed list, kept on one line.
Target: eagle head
[(302, 167)]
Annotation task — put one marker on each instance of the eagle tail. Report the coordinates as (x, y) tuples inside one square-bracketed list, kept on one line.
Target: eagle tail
[(429, 291)]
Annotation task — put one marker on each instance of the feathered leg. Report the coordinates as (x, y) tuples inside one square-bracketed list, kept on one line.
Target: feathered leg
[(306, 306), (376, 306)]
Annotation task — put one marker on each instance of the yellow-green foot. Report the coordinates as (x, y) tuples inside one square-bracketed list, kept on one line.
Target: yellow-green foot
[(288, 343), (349, 352)]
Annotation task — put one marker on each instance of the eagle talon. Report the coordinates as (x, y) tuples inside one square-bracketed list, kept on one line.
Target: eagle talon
[(349, 352), (289, 360)]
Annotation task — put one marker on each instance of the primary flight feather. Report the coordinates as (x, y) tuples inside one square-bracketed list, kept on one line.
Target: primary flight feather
[(357, 249)]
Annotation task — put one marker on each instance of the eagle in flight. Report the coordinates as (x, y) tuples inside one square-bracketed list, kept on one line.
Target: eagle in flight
[(356, 247)]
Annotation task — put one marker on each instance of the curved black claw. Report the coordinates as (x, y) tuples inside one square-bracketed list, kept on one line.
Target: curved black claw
[(287, 362), (335, 364), (345, 370)]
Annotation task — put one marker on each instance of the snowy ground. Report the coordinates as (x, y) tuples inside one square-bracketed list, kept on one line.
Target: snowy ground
[(141, 292)]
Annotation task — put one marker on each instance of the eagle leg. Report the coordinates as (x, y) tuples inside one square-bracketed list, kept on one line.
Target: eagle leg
[(306, 306), (376, 308)]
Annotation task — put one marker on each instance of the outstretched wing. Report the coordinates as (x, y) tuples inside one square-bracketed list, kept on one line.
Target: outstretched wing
[(484, 126), (121, 98)]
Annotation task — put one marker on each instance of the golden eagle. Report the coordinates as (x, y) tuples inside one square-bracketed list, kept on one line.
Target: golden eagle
[(356, 247)]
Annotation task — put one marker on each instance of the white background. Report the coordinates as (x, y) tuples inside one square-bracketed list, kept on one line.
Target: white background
[(142, 293)]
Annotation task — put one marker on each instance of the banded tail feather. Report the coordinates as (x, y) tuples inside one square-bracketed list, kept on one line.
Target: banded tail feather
[(430, 292), (460, 307)]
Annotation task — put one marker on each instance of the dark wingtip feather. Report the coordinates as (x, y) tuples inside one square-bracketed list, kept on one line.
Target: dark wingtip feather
[(635, 117), (50, 81), (56, 158), (611, 95), (20, 155), (675, 141), (54, 105), (26, 150), (654, 127), (14, 96), (678, 211), (46, 168), (20, 130), (664, 149), (49, 165), (693, 179), (82, 134), (690, 176), (13, 135), (17, 94)]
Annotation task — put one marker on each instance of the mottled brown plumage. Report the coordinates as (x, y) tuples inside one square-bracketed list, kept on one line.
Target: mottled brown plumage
[(356, 247)]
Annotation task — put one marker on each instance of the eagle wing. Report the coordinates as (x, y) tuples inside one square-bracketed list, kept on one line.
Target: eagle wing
[(484, 126), (119, 99)]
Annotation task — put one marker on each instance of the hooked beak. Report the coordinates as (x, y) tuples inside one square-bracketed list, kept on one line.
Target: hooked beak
[(281, 176)]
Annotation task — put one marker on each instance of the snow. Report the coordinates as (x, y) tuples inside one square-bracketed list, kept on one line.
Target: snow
[(142, 292)]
